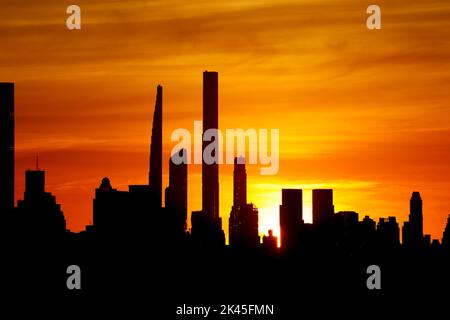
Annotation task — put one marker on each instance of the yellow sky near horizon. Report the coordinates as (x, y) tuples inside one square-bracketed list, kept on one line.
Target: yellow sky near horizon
[(363, 112)]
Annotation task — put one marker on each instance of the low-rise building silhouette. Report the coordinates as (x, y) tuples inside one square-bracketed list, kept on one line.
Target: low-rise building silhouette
[(270, 242)]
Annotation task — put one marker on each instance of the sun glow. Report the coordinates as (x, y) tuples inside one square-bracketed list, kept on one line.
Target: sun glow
[(269, 214)]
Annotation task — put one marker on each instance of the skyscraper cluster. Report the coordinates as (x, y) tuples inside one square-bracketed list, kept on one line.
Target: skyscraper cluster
[(343, 230), (139, 212), (38, 215)]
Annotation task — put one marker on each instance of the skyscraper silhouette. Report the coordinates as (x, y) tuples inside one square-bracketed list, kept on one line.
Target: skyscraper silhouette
[(239, 182), (109, 208), (207, 224), (291, 217), (6, 147), (210, 172), (412, 231), (38, 215), (34, 182), (176, 192), (243, 223), (155, 174), (323, 208)]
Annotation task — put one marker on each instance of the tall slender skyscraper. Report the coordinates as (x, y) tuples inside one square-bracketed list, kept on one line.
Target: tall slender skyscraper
[(6, 147), (323, 208), (291, 217), (210, 172), (155, 174)]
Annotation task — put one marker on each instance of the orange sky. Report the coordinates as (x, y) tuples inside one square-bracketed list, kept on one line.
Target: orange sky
[(362, 112)]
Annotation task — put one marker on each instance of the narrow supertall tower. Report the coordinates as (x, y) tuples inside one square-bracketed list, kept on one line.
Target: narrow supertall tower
[(155, 174), (210, 172)]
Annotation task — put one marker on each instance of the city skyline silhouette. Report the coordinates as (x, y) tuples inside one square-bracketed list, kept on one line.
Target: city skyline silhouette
[(411, 234), (116, 196), (135, 240), (374, 137)]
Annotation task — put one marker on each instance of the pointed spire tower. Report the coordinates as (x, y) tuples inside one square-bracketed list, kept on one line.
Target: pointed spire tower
[(155, 174)]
